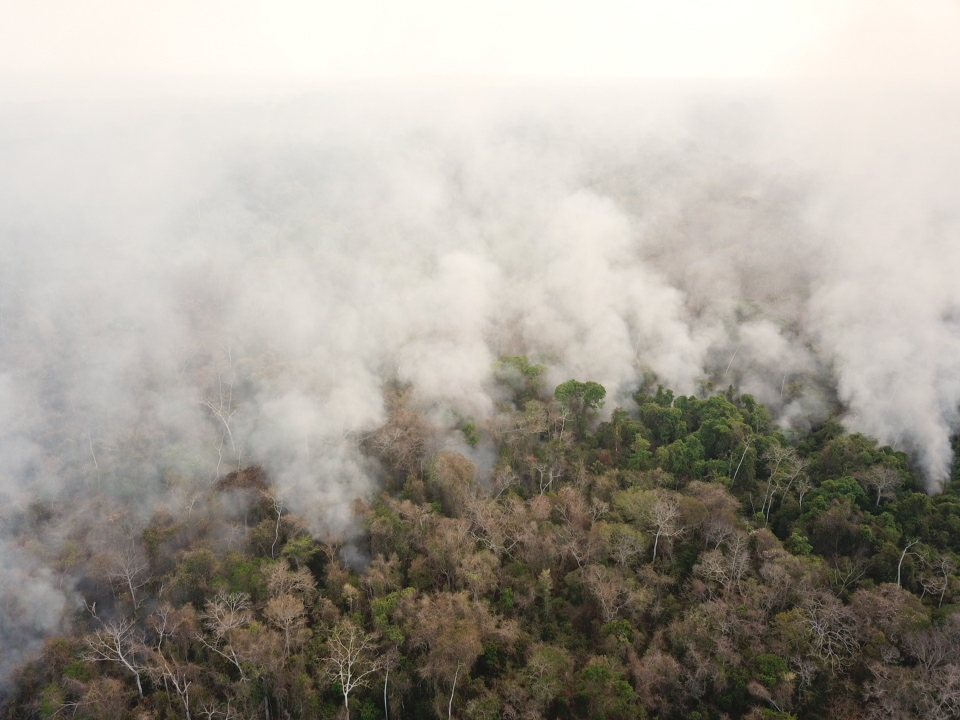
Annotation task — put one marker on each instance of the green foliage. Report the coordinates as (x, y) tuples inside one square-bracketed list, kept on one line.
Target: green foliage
[(798, 543), (844, 488), (241, 573), (522, 377), (682, 458), (604, 691), (470, 433), (770, 669), (51, 702), (300, 550), (580, 398), (545, 595), (640, 456), (666, 424), (619, 629), (77, 671), (195, 573)]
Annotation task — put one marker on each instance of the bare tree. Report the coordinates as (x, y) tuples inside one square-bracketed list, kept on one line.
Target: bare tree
[(352, 659), (129, 568), (277, 503), (802, 487), (281, 580), (881, 480), (833, 630), (222, 406), (118, 642), (945, 565), (547, 471), (902, 556), (845, 572), (496, 526), (726, 568), (173, 628), (453, 690), (221, 617), (288, 614), (785, 469), (613, 591), (664, 515), (930, 647), (173, 674), (940, 699)]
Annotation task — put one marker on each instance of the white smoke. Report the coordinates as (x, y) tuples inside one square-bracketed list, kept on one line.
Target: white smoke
[(188, 287)]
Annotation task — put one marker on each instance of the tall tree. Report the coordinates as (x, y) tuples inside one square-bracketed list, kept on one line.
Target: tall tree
[(580, 398)]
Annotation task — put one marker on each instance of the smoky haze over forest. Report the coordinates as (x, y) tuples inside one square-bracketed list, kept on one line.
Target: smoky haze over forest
[(186, 287)]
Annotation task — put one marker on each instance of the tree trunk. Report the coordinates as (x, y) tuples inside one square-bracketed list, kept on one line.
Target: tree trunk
[(452, 691)]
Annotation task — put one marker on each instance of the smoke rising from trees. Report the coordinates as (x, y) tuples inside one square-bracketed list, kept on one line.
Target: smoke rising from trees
[(186, 287)]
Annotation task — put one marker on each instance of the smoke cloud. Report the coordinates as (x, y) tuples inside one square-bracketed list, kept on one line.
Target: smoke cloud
[(186, 287)]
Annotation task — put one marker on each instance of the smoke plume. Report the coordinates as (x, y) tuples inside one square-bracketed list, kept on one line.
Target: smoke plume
[(188, 287)]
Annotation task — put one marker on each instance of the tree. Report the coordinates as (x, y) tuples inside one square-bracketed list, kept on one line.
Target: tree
[(288, 614), (281, 580), (580, 398), (881, 480), (351, 658), (726, 568), (938, 584), (174, 629), (785, 468), (407, 441), (129, 569), (547, 673), (663, 515), (605, 690), (452, 629), (451, 479), (223, 615), (521, 377), (118, 642), (613, 590)]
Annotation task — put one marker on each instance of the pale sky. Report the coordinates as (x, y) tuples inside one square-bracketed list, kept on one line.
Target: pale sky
[(323, 40)]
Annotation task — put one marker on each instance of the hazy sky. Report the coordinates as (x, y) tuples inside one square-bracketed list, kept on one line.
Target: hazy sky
[(323, 40)]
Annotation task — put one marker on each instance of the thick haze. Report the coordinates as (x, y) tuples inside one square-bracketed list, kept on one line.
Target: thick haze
[(189, 285)]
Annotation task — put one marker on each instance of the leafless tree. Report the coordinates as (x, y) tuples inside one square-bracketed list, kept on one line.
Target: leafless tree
[(129, 567), (881, 480), (173, 674), (902, 556), (614, 591), (277, 503), (785, 469), (728, 567), (288, 614), (664, 516), (223, 407), (845, 572), (352, 659), (221, 617), (172, 626), (547, 470), (833, 630), (941, 694), (281, 580), (118, 642), (930, 647), (937, 584)]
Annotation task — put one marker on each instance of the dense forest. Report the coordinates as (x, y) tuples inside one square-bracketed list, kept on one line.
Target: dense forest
[(686, 558)]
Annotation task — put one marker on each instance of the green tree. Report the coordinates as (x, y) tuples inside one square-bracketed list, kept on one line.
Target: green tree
[(580, 398), (523, 378)]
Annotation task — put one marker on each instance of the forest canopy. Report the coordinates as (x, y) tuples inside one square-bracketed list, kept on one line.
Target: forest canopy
[(683, 558)]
